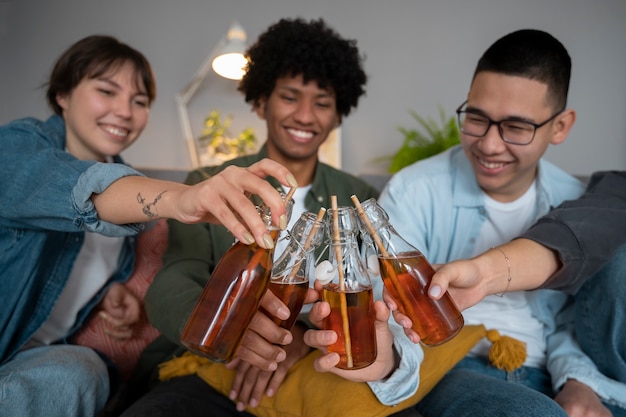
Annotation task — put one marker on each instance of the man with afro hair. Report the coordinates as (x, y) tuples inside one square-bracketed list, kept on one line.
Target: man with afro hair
[(302, 78)]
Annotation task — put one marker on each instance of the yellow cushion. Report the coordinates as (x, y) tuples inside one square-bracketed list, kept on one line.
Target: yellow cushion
[(306, 392)]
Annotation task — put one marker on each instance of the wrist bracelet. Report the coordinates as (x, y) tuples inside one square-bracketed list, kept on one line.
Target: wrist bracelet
[(508, 267)]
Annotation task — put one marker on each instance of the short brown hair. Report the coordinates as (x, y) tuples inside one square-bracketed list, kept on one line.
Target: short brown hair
[(91, 57)]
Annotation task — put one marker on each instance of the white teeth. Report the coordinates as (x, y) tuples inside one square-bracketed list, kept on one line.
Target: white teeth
[(301, 133), (118, 131), (491, 165)]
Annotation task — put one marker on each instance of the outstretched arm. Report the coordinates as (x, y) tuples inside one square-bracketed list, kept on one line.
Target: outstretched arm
[(528, 263), (222, 198)]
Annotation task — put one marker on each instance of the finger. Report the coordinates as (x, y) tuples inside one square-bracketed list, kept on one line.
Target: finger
[(123, 334), (255, 184), (389, 300), (320, 339), (243, 395), (274, 306), (277, 378), (250, 379), (326, 363), (382, 313), (402, 319), (318, 312), (258, 352), (133, 309), (268, 167), (128, 320), (111, 321), (439, 283), (233, 364), (258, 389), (265, 328), (239, 215), (312, 296), (223, 199), (242, 367)]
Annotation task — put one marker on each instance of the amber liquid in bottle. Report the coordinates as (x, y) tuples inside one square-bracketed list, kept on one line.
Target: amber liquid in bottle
[(228, 302), (435, 321), (292, 293), (362, 336)]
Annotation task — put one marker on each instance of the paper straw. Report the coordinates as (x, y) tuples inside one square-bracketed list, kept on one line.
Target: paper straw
[(392, 273), (342, 286)]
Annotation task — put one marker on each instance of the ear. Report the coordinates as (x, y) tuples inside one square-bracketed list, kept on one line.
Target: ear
[(562, 125), (259, 107), (62, 99)]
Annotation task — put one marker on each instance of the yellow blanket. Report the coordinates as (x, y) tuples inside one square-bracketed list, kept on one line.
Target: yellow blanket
[(307, 393)]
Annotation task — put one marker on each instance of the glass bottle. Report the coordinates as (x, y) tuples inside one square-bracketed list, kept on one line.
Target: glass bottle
[(407, 275), (348, 290), (292, 269), (231, 297)]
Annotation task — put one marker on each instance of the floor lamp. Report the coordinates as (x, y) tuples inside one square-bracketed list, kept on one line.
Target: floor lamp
[(227, 60)]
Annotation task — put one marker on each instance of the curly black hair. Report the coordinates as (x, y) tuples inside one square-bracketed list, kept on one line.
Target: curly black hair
[(295, 47)]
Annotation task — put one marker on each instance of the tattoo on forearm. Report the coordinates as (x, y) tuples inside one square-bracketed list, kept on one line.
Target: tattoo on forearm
[(149, 209)]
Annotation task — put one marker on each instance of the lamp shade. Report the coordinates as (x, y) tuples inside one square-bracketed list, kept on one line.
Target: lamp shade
[(229, 61)]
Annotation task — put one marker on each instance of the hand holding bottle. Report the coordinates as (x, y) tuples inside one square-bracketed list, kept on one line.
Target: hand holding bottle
[(232, 296), (385, 361)]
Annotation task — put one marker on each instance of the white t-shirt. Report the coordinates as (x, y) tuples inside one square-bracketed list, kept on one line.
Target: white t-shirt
[(510, 314), (96, 262)]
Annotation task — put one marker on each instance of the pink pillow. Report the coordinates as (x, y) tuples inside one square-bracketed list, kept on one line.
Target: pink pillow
[(125, 353)]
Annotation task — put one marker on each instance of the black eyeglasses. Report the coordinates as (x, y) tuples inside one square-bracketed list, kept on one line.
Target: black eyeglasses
[(515, 132)]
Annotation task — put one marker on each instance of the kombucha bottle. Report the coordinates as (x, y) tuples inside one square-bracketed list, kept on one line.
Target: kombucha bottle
[(292, 269), (231, 297), (348, 290), (407, 274)]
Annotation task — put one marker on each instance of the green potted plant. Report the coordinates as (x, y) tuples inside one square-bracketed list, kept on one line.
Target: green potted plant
[(434, 137), (219, 144)]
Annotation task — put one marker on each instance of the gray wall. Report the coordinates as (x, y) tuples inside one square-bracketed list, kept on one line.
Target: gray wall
[(420, 54)]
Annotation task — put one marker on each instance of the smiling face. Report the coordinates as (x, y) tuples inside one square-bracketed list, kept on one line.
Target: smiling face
[(105, 115), (299, 119), (506, 171)]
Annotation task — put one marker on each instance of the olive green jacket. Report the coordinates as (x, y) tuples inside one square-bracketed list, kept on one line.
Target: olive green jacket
[(194, 250)]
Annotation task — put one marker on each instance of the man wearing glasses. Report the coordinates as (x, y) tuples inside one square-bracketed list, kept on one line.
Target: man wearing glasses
[(483, 193)]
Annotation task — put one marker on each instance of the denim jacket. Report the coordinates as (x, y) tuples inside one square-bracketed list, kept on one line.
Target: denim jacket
[(45, 210)]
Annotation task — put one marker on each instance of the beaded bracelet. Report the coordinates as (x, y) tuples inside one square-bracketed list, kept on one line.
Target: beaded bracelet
[(508, 266)]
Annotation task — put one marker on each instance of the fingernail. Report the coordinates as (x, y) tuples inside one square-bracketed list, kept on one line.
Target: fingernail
[(103, 315), (232, 395), (283, 222), (268, 241), (248, 239), (269, 392), (241, 406), (253, 403), (434, 291), (292, 180), (283, 313)]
